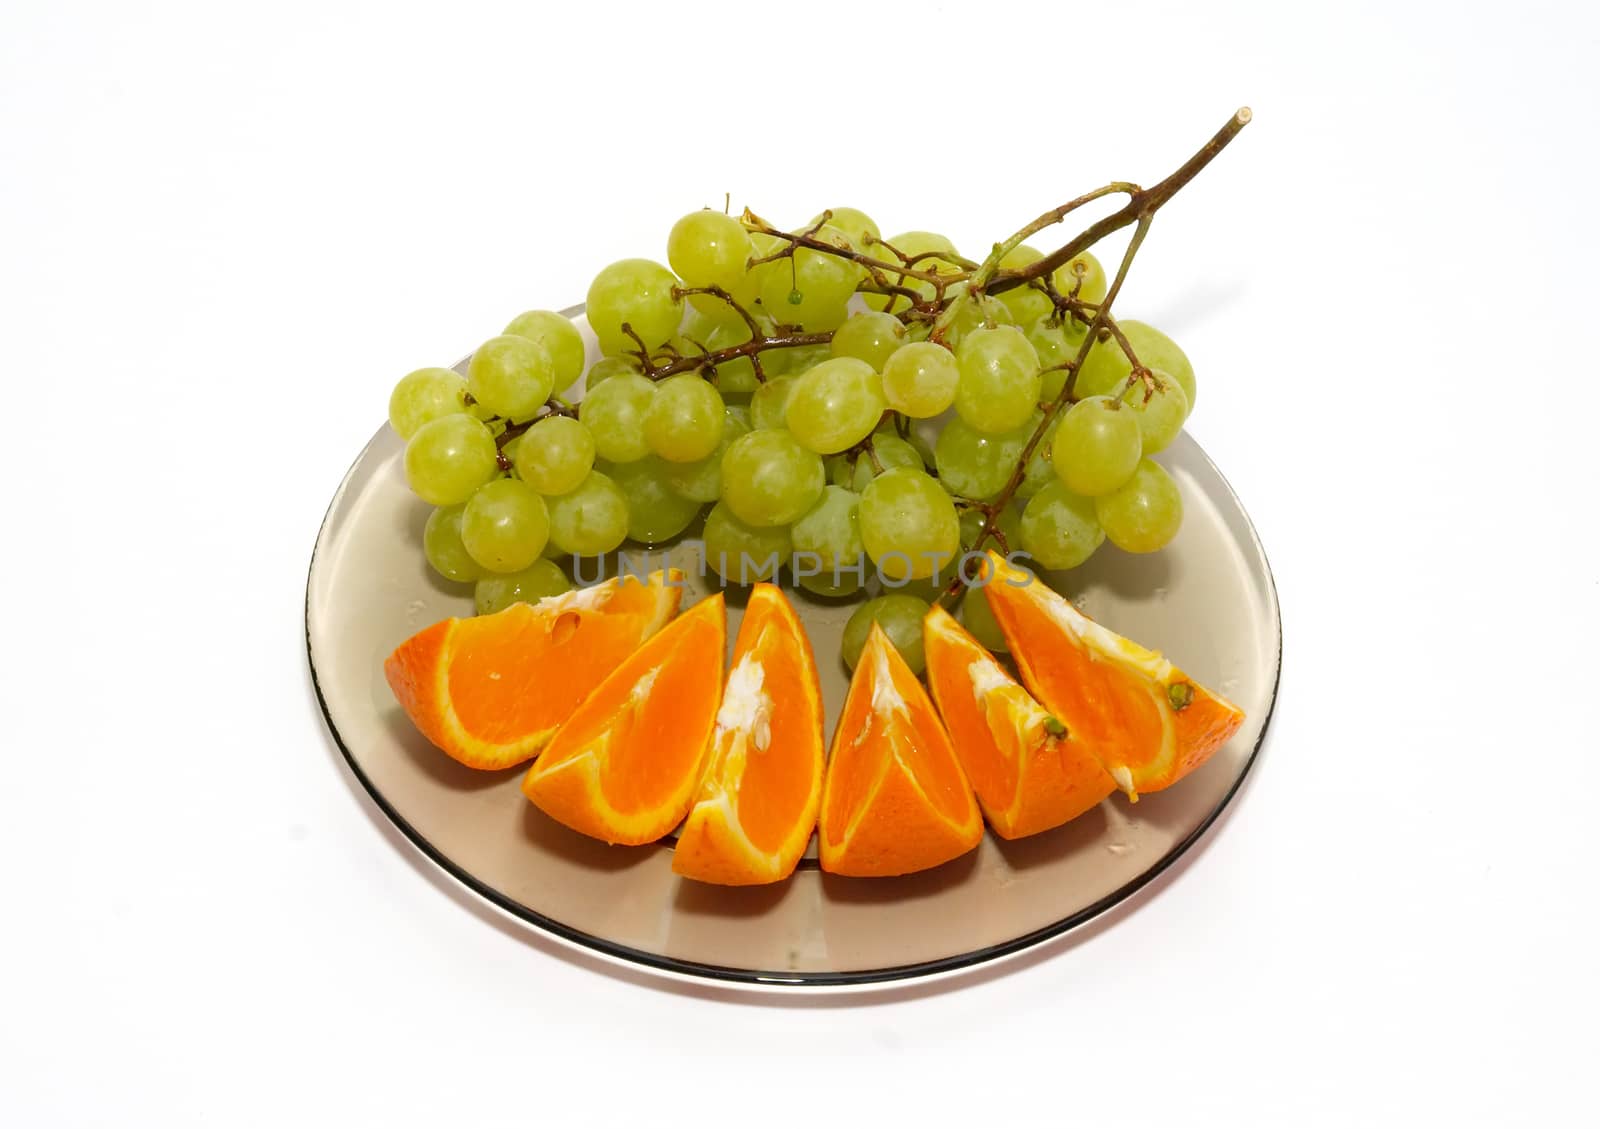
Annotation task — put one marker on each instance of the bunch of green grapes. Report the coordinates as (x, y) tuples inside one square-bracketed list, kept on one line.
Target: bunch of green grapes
[(849, 448)]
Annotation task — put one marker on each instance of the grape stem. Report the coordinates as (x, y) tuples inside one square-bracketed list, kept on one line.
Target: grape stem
[(1140, 209), (1121, 338), (797, 239), (878, 270), (787, 337), (555, 406), (982, 279), (1142, 203)]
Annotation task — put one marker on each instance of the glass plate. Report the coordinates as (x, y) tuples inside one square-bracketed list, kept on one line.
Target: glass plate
[(1207, 600)]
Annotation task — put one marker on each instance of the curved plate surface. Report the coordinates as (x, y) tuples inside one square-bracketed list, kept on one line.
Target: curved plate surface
[(1207, 601)]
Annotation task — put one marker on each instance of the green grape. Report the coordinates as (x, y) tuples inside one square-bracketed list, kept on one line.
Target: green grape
[(707, 248), (978, 466), (869, 337), (698, 324), (854, 224), (608, 367), (978, 618), (505, 525), (511, 376), (840, 469), (1084, 269), (425, 395), (999, 385), (534, 583), (1160, 407), (900, 616), (441, 544), (636, 293), (811, 288), (702, 481), (590, 520), (742, 553), (736, 379), (614, 414), (914, 243), (835, 405), (829, 558), (560, 339), (771, 402), (768, 478), (919, 379), (554, 455), (974, 314), (970, 522), (924, 448), (1008, 522), (1055, 344), (908, 524), (450, 457), (1026, 303), (1059, 528), (1145, 513), (656, 512), (1158, 351), (910, 244), (1039, 472), (683, 423), (793, 360), (1105, 370), (1096, 446), (892, 451)]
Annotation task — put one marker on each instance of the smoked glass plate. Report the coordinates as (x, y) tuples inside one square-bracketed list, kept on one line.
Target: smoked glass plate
[(1207, 601)]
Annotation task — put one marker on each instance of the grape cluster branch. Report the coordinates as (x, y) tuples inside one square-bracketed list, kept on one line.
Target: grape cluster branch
[(1140, 209), (982, 279)]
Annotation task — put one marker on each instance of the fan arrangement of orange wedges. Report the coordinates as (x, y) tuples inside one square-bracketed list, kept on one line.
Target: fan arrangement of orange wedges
[(635, 731)]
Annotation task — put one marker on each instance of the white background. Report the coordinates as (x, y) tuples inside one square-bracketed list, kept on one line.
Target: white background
[(225, 231)]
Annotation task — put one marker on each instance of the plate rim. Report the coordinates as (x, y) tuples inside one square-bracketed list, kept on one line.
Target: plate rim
[(699, 971)]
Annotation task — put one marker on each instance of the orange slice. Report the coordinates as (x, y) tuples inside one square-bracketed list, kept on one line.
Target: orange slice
[(624, 768), (758, 799), (894, 799), (491, 690), (1029, 773), (1145, 720)]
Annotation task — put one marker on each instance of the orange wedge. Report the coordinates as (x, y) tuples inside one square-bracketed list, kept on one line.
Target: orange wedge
[(894, 799), (1029, 773), (625, 767), (1145, 720), (758, 799), (491, 690)]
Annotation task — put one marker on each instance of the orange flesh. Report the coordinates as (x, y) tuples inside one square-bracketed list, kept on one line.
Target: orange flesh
[(1109, 709), (517, 673), (1110, 706), (854, 767), (490, 691), (776, 784), (868, 740), (991, 766), (1027, 779), (927, 753), (1120, 712), (656, 738), (1204, 725)]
